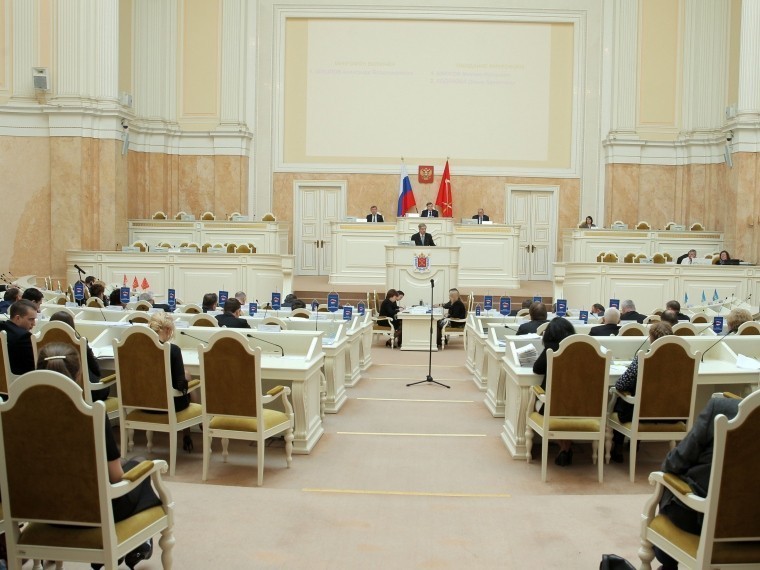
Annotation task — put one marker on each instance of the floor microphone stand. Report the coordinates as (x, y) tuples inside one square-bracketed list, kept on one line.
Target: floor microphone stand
[(429, 378)]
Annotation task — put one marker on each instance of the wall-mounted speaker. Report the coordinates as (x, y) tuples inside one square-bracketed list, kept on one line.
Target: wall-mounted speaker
[(40, 78)]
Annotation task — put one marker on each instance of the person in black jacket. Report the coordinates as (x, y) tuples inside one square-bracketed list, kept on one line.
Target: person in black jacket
[(610, 326), (373, 216), (675, 306), (628, 312), (11, 295), (422, 237), (389, 308), (456, 310), (23, 317), (537, 313), (429, 211), (231, 316)]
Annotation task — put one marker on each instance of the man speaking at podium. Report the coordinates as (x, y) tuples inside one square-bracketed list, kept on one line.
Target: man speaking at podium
[(422, 237), (373, 216), (481, 216), (429, 211)]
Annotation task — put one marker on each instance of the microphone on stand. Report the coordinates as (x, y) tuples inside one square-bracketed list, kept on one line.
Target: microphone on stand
[(193, 337), (79, 268), (268, 342), (721, 339)]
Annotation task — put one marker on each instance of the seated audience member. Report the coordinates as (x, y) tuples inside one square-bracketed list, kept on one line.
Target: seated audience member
[(242, 297), (64, 359), (537, 318), (399, 297), (11, 295), (389, 308), (148, 296), (611, 325), (691, 460), (297, 304), (34, 296), (98, 291), (114, 299), (736, 318), (456, 310), (422, 237), (627, 383), (231, 316), (687, 258), (481, 216), (723, 258), (524, 305), (675, 306), (589, 223), (373, 216), (558, 330), (429, 211), (23, 317), (92, 363), (670, 317), (628, 312), (209, 303), (597, 310), (89, 281), (289, 298), (163, 325)]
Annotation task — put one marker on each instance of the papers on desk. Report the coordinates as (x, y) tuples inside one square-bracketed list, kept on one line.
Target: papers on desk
[(747, 363), (418, 310), (526, 355), (103, 351), (328, 340), (617, 369)]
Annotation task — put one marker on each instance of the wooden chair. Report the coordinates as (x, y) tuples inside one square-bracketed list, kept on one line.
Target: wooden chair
[(144, 380), (159, 215), (633, 329), (141, 245), (658, 258), (243, 248), (180, 215), (629, 258), (610, 257), (275, 321), (208, 216), (540, 330), (668, 257), (192, 309), (684, 329), (652, 319), (205, 247), (203, 320), (6, 376), (231, 247), (300, 314), (95, 302), (700, 318), (383, 326), (575, 401), (143, 306), (749, 328), (642, 225), (523, 312), (59, 332), (730, 536), (666, 389), (268, 217), (448, 331), (59, 488), (697, 227), (233, 399), (600, 256)]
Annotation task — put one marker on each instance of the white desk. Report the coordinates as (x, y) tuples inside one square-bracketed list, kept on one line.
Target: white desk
[(416, 333)]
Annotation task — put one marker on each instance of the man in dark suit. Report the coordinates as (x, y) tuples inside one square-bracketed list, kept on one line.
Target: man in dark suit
[(429, 211), (148, 296), (11, 295), (691, 460), (537, 318), (610, 327), (231, 316), (687, 258), (628, 312), (675, 306), (23, 317), (373, 216), (422, 237), (481, 217), (524, 305)]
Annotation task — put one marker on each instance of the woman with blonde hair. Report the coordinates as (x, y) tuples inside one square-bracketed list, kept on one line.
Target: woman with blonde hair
[(736, 318)]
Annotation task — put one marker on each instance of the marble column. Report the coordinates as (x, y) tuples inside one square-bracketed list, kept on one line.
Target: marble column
[(749, 62), (233, 63), (25, 47), (625, 57)]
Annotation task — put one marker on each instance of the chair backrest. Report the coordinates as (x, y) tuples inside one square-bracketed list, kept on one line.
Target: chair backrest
[(205, 247), (642, 225), (138, 319), (523, 312), (700, 318), (652, 319), (159, 215), (6, 376), (577, 379), (684, 329), (667, 256), (95, 302), (697, 227), (540, 330), (143, 306), (658, 258), (180, 215), (231, 247), (750, 328), (230, 376), (208, 216), (203, 320), (234, 215), (268, 217), (61, 300), (165, 244), (733, 511), (275, 321), (667, 383), (64, 477), (59, 332), (610, 257), (141, 245), (633, 329), (300, 314), (192, 308), (143, 371), (243, 248), (629, 258), (669, 225), (600, 256)]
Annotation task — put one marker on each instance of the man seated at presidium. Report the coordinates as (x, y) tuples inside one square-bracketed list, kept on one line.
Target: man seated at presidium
[(456, 310), (23, 317), (481, 216), (628, 312), (537, 313), (231, 316), (687, 258), (589, 223), (610, 326), (422, 237), (429, 211), (373, 216)]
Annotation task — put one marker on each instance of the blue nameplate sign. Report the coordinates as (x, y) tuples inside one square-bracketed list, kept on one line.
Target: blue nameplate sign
[(276, 299), (505, 306), (361, 309), (223, 296), (124, 295), (171, 298), (561, 307), (717, 325), (583, 316), (253, 308), (332, 302), (615, 303), (538, 299), (347, 313), (78, 290), (488, 302), (477, 310)]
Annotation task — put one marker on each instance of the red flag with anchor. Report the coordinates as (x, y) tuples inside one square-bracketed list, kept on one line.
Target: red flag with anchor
[(444, 194), (144, 286), (135, 283)]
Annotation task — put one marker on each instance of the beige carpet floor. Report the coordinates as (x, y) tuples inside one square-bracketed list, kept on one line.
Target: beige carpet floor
[(403, 478)]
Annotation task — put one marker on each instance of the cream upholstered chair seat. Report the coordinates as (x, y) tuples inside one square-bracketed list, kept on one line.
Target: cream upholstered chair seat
[(700, 318), (62, 490), (208, 216), (575, 400), (450, 331), (749, 328), (192, 308), (662, 410), (233, 399), (203, 320), (730, 535), (300, 314), (633, 329), (383, 327), (684, 329)]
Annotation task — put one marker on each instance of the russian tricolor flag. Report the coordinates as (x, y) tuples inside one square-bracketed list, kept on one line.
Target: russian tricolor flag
[(405, 193)]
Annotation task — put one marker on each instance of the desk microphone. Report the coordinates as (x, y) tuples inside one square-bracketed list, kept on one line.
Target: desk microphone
[(316, 321), (721, 339), (635, 352), (193, 337), (79, 269), (510, 328), (268, 342)]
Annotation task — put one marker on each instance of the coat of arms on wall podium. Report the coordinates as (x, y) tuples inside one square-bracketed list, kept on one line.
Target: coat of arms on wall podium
[(425, 174), (422, 262)]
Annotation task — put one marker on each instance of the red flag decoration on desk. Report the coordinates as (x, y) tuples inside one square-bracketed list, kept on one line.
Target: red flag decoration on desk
[(444, 194), (135, 283), (405, 193), (125, 280), (144, 286)]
